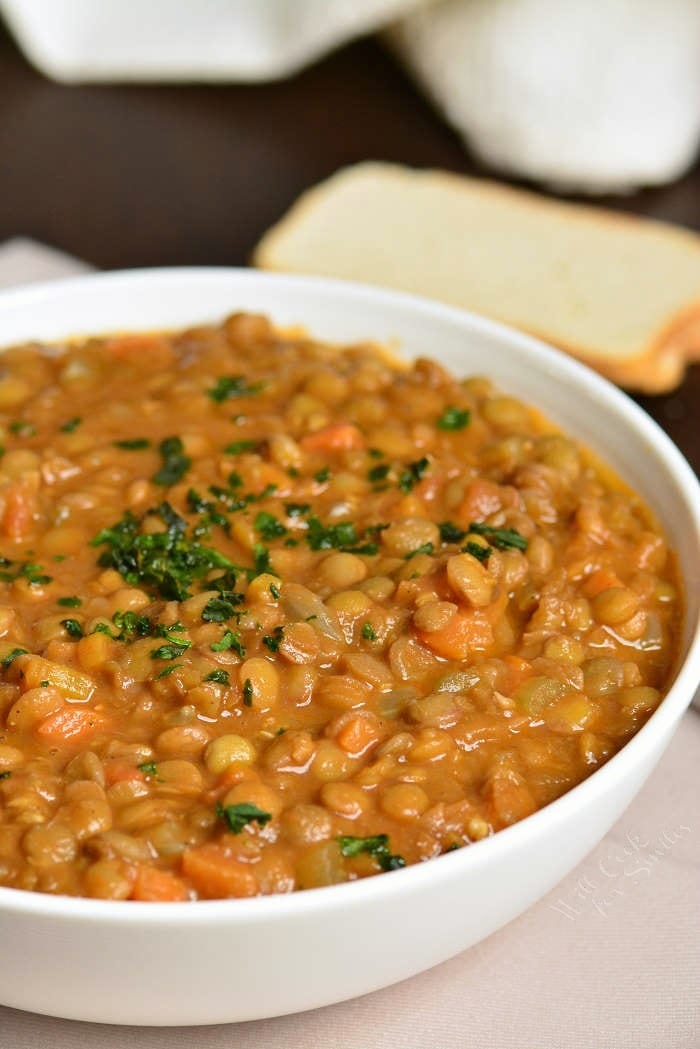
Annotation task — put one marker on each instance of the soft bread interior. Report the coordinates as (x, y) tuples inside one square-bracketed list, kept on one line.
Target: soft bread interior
[(621, 292)]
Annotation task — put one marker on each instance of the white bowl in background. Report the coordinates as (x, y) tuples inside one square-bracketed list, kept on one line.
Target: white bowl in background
[(226, 960)]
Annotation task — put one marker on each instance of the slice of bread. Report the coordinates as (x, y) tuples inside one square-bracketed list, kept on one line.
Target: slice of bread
[(620, 292)]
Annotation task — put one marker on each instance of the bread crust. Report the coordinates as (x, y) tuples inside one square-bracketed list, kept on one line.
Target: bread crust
[(659, 365)]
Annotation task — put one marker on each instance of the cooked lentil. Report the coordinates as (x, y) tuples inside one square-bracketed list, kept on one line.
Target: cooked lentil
[(328, 615)]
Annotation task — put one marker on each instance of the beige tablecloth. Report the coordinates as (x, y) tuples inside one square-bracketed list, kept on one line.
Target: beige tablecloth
[(609, 960)]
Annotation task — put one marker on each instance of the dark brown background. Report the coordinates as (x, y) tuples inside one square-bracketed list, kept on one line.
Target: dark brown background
[(143, 176)]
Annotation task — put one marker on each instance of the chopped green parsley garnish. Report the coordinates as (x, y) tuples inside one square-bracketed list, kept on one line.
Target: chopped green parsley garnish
[(175, 462), (378, 473), (375, 453), (236, 447), (167, 671), (196, 503), (34, 574), (261, 559), (218, 609), (225, 584), (70, 602), (229, 640), (22, 428), (219, 677), (412, 474), (149, 767), (268, 525), (481, 553), (174, 648), (331, 537), (237, 816), (296, 509), (210, 515), (425, 548), (166, 561), (376, 529), (451, 533), (165, 630), (454, 419), (269, 489), (12, 656), (368, 631), (5, 775), (228, 386), (71, 425), (228, 497), (275, 591), (73, 628), (322, 475), (501, 538), (247, 693), (275, 639), (133, 444), (377, 846), (131, 624)]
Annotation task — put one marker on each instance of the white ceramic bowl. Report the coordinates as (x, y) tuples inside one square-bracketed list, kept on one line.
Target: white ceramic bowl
[(224, 960)]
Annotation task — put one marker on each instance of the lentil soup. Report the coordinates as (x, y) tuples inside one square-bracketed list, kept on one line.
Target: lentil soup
[(277, 615)]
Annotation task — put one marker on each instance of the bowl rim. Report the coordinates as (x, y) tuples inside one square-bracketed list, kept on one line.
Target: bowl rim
[(317, 901)]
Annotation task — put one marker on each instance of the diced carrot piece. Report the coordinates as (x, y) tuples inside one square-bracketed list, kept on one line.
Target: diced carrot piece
[(121, 772), (229, 778), (428, 488), (215, 874), (17, 517), (601, 579), (358, 734), (268, 473), (509, 799), (338, 437), (518, 670), (157, 349), (465, 632), (234, 775), (158, 886), (122, 345), (409, 506), (481, 499), (70, 723)]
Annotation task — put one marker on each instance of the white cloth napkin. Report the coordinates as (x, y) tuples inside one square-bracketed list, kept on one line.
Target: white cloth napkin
[(173, 40), (553, 92), (23, 261), (547, 90), (610, 959)]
